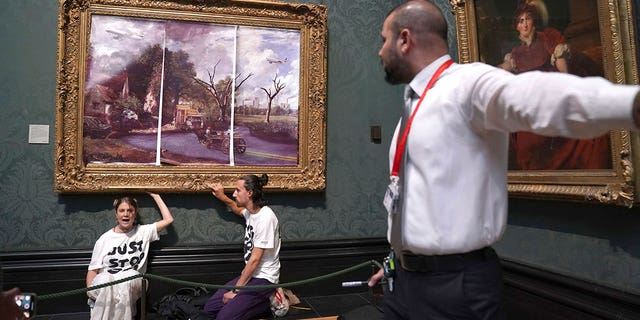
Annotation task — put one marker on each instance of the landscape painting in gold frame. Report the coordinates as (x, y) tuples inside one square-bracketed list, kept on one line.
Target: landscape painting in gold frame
[(595, 37), (172, 95)]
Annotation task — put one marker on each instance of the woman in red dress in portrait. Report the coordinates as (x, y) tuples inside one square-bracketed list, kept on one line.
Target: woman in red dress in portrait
[(547, 50)]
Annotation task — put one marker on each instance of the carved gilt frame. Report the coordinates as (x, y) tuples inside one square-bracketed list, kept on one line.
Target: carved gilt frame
[(77, 173), (617, 185)]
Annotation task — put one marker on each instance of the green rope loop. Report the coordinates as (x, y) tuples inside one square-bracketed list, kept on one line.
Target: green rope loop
[(210, 286), (83, 290)]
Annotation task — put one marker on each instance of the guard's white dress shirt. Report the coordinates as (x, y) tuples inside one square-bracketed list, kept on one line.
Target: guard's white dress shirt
[(455, 176)]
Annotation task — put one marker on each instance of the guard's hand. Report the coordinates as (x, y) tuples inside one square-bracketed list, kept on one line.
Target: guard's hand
[(375, 278)]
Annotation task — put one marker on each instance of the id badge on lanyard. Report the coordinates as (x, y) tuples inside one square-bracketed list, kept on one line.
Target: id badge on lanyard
[(392, 196)]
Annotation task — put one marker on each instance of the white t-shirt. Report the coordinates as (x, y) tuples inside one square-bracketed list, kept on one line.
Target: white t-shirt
[(262, 231), (118, 252)]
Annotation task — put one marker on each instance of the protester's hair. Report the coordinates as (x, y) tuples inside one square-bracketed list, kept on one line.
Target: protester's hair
[(126, 199), (423, 22), (526, 7), (254, 184)]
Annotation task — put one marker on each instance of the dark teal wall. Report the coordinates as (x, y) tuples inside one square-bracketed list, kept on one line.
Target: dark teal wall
[(592, 242), (36, 218)]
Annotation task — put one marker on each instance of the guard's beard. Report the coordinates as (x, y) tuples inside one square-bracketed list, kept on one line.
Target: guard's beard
[(394, 71), (391, 75), (388, 76)]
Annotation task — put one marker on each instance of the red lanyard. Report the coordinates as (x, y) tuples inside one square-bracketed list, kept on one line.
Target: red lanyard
[(403, 140)]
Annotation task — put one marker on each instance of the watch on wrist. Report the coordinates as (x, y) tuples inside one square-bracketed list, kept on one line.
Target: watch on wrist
[(236, 290)]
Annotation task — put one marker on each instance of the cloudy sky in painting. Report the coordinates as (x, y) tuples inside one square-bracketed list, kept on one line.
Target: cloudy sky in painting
[(115, 41), (262, 52)]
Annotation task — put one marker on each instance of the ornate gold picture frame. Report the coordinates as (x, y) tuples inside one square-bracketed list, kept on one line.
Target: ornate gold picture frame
[(170, 95), (597, 37)]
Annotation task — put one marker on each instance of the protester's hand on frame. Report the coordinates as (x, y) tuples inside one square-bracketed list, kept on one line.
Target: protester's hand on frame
[(216, 189)]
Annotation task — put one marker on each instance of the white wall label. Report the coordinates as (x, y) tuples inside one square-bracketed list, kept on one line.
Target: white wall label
[(39, 133)]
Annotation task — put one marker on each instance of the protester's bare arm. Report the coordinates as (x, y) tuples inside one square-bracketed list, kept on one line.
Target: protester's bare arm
[(247, 272), (218, 191), (167, 218), (91, 274)]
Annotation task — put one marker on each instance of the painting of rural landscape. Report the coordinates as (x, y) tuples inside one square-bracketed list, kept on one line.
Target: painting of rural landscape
[(168, 92)]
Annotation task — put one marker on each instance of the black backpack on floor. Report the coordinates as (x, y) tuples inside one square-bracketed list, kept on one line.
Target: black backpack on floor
[(184, 304)]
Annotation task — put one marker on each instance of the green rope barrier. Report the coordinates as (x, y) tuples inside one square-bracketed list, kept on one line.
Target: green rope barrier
[(210, 286), (268, 286), (83, 290)]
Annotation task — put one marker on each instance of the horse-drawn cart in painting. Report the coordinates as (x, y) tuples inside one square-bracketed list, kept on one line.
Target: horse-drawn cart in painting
[(219, 140)]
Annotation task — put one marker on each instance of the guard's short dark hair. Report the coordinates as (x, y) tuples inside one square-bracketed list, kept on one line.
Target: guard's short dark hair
[(430, 20)]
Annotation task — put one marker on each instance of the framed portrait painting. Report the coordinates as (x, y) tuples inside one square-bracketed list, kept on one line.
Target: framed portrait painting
[(582, 37), (171, 95)]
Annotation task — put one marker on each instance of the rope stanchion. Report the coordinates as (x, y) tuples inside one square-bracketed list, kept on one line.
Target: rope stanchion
[(210, 286)]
